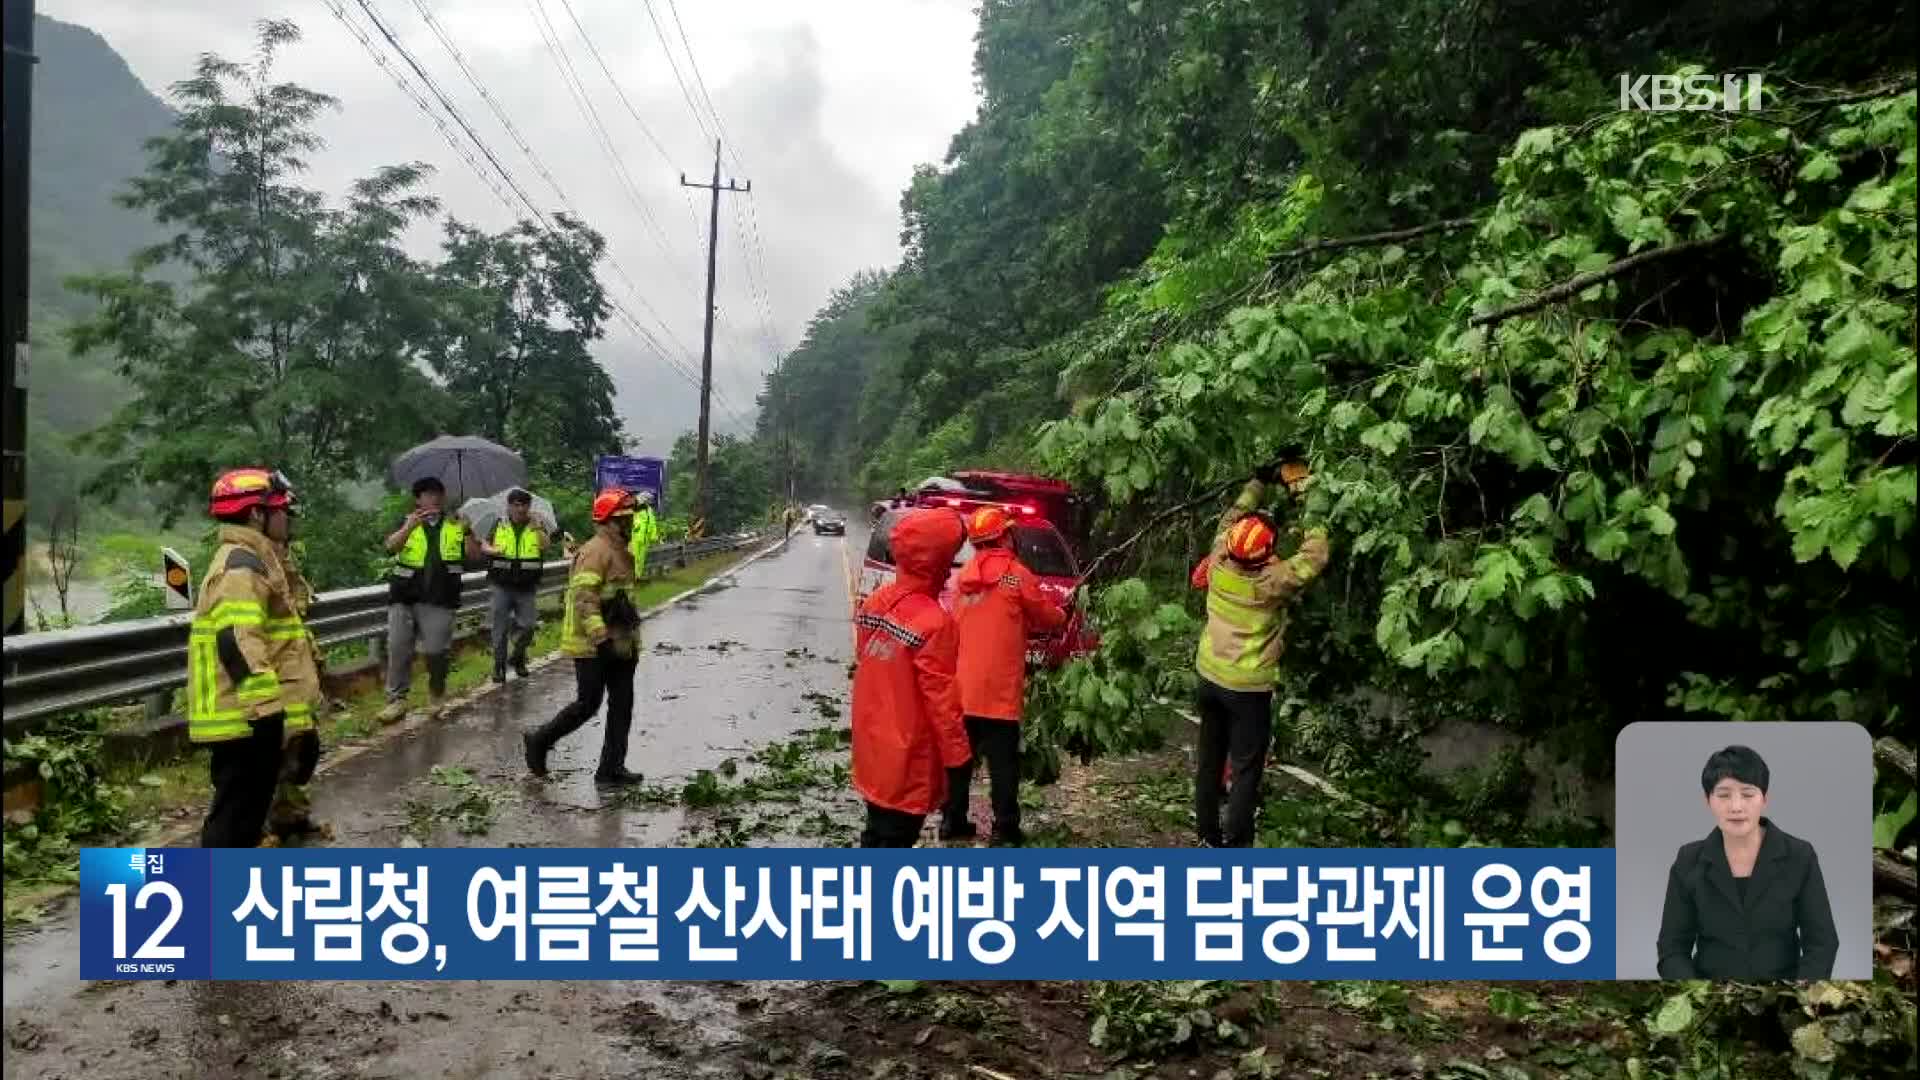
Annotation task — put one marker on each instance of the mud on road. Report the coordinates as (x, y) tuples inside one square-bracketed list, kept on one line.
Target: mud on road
[(756, 659), (741, 729)]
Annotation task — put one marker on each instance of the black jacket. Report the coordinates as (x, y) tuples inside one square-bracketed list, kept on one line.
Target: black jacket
[(1783, 930)]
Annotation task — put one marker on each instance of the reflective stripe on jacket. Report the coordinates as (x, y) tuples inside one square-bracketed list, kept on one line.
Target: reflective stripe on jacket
[(1246, 606), (240, 644), (907, 726), (411, 560), (296, 656), (997, 607), (517, 566), (601, 570)]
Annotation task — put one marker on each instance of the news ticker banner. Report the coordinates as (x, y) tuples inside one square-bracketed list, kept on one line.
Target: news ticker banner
[(785, 913)]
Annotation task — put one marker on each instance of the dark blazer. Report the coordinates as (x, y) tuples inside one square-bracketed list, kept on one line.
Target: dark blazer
[(1783, 931)]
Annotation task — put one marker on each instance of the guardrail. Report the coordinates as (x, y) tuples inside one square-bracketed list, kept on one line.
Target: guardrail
[(63, 671)]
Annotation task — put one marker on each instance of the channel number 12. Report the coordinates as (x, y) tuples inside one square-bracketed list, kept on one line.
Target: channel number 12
[(152, 949)]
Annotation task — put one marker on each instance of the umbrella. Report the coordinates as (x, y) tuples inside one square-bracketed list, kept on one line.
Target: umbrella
[(468, 465), (483, 514)]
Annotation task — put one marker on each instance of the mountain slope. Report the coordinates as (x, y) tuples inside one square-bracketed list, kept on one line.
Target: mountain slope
[(91, 120)]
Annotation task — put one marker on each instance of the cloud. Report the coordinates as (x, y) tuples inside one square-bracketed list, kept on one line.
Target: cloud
[(832, 105)]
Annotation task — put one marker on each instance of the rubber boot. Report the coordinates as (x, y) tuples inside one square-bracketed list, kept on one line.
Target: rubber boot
[(536, 749)]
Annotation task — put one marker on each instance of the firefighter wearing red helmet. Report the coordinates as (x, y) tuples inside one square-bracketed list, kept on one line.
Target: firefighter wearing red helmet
[(251, 678), (601, 632), (1248, 591)]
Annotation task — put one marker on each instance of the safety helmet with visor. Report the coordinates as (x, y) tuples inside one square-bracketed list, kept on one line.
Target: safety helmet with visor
[(237, 491)]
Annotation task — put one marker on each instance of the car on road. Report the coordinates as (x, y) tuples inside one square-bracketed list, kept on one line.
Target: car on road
[(828, 521), (815, 511), (1044, 551)]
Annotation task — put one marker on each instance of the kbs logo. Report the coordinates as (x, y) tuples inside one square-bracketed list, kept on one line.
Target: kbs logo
[(1690, 93)]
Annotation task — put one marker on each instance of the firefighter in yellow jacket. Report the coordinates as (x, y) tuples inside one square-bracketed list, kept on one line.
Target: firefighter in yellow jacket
[(292, 813), (1248, 590), (601, 632), (249, 684)]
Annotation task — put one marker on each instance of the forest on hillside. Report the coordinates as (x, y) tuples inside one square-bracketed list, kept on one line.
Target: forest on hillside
[(1611, 412)]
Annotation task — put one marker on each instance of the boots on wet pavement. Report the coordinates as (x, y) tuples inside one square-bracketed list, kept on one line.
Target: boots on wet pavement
[(520, 665), (438, 665), (499, 674), (536, 750), (394, 711)]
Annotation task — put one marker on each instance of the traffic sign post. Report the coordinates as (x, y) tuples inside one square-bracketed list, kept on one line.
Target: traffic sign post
[(177, 578)]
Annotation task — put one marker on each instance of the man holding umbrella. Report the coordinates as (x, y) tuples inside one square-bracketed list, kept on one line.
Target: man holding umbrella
[(423, 592), (602, 635), (514, 559)]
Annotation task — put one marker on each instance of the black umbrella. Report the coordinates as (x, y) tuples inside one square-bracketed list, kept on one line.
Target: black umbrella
[(469, 466)]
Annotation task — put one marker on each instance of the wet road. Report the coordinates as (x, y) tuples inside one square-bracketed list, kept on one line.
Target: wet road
[(757, 655)]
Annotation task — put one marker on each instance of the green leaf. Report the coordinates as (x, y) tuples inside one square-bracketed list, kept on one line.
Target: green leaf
[(1675, 1015), (1386, 438), (1821, 166), (1609, 544), (1550, 591), (1538, 509), (1886, 827), (1852, 341), (1658, 520), (1345, 415), (1141, 474), (1810, 1041)]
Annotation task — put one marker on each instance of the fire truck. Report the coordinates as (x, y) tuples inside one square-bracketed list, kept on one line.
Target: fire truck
[(1048, 535)]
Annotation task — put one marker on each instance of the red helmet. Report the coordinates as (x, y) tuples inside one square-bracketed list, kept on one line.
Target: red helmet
[(612, 503), (240, 490), (1250, 540), (988, 523)]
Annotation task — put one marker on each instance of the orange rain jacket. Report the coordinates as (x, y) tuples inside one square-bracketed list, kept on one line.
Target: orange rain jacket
[(907, 727), (997, 606)]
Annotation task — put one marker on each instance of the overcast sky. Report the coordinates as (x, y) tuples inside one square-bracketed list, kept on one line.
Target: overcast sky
[(829, 105)]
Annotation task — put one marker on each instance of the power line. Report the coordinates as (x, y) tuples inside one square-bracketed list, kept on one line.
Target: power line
[(339, 10), (619, 91), (674, 9), (513, 132), (394, 42), (756, 274), (667, 47), (499, 113), (578, 90), (338, 7)]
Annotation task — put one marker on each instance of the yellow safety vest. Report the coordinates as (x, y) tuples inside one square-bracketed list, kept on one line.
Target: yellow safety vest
[(522, 547), (404, 576), (453, 546), (517, 566)]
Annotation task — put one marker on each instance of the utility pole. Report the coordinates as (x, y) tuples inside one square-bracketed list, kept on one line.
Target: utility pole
[(701, 505), (17, 136), (786, 428)]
